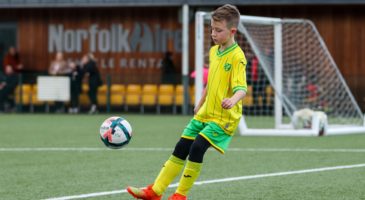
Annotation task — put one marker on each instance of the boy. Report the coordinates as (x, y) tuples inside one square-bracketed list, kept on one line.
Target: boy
[(216, 116)]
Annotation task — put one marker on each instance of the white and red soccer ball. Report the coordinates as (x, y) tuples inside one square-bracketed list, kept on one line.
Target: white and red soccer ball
[(302, 119), (115, 132)]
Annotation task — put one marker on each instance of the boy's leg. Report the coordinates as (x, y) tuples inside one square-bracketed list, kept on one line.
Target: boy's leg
[(173, 166), (182, 150), (193, 166), (211, 135), (169, 171)]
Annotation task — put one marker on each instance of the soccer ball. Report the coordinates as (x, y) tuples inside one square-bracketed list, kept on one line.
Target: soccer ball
[(115, 132), (302, 119)]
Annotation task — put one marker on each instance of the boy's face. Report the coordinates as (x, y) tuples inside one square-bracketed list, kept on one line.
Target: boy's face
[(221, 34)]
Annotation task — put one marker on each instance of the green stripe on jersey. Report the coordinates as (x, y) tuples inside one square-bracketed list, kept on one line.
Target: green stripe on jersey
[(227, 50), (235, 89)]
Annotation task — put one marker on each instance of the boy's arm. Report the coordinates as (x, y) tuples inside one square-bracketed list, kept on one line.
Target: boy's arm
[(228, 103), (201, 101)]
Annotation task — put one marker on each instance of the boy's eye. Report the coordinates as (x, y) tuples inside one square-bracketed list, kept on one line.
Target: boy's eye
[(216, 30)]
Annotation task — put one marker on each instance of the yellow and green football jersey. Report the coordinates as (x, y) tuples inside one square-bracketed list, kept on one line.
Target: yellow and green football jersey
[(227, 75)]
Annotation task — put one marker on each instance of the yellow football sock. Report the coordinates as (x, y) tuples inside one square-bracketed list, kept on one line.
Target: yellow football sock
[(190, 174), (169, 171)]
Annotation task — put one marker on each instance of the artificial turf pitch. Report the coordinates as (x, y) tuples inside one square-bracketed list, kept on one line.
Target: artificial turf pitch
[(47, 156)]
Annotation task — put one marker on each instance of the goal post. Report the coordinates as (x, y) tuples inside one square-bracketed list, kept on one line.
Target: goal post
[(289, 68)]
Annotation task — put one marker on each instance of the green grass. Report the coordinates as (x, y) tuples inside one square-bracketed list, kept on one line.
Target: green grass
[(45, 174)]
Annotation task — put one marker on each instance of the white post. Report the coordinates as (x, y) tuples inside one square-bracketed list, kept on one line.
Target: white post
[(185, 57), (242, 126), (199, 55), (278, 73)]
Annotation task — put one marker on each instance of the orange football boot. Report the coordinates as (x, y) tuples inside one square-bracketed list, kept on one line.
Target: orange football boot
[(145, 193), (177, 196)]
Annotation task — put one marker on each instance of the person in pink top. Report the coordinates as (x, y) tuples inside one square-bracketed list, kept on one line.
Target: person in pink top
[(205, 74)]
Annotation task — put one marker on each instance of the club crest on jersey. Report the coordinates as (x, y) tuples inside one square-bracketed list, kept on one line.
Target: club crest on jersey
[(227, 67)]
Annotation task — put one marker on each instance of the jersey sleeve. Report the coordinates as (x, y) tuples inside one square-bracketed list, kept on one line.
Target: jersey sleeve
[(238, 75)]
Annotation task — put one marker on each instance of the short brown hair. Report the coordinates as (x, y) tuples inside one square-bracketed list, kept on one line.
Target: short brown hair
[(229, 13)]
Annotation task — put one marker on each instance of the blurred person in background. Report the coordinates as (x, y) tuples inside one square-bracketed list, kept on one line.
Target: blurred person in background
[(259, 82), (12, 59), (59, 67), (76, 76), (8, 83), (92, 73), (168, 69), (205, 74)]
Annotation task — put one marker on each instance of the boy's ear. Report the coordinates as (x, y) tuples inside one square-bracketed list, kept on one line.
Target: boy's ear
[(233, 31)]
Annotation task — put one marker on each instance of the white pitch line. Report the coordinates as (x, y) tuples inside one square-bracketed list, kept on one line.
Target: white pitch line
[(25, 149), (31, 149), (298, 150), (80, 149), (239, 178), (82, 196)]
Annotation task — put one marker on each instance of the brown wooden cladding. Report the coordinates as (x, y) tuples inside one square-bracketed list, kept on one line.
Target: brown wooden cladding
[(342, 28), (33, 30)]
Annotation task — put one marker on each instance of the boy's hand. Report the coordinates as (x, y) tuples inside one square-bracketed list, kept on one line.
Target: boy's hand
[(227, 103)]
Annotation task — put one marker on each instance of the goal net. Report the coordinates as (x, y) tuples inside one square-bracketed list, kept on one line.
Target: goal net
[(289, 68)]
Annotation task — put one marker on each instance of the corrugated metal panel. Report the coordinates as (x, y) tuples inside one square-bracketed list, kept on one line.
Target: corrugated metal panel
[(126, 3)]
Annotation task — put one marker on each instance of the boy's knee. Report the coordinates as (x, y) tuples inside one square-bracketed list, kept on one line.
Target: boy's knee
[(198, 149), (182, 148)]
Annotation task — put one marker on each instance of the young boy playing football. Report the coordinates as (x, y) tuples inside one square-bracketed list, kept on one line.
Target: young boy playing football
[(216, 116)]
